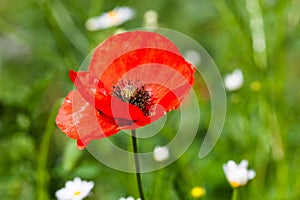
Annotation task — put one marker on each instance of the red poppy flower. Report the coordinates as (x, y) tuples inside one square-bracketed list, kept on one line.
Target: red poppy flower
[(133, 79)]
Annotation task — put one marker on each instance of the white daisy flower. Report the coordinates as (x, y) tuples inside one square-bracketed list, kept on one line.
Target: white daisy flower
[(128, 198), (109, 19), (75, 190), (238, 174), (234, 81), (161, 153)]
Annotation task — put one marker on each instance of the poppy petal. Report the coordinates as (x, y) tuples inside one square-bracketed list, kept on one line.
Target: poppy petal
[(172, 99), (161, 71), (167, 75), (149, 66), (123, 43), (80, 121), (102, 101)]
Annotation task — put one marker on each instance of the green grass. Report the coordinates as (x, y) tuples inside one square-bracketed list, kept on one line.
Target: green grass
[(41, 40)]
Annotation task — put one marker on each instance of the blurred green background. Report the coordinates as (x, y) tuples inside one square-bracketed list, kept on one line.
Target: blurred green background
[(41, 40)]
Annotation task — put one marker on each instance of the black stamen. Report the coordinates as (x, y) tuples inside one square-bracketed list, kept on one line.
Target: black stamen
[(135, 93), (142, 99)]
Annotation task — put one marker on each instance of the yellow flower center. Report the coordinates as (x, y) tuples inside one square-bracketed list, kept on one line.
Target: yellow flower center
[(77, 193), (234, 184), (198, 192), (112, 14)]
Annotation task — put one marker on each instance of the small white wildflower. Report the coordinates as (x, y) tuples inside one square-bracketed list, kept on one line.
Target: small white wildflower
[(193, 57), (238, 174), (128, 198), (234, 81), (150, 18), (109, 19), (161, 153), (75, 190)]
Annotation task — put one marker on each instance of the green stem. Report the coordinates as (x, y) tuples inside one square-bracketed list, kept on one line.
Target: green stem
[(137, 164), (234, 194), (42, 174)]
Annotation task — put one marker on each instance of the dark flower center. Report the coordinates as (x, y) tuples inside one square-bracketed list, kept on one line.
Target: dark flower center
[(135, 93)]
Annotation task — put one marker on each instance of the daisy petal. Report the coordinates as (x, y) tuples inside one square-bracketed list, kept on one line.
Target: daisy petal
[(112, 18), (251, 174), (76, 189), (244, 164)]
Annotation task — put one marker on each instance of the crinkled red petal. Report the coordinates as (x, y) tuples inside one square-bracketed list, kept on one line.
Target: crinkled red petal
[(161, 71), (123, 43), (173, 98), (80, 121), (105, 103)]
